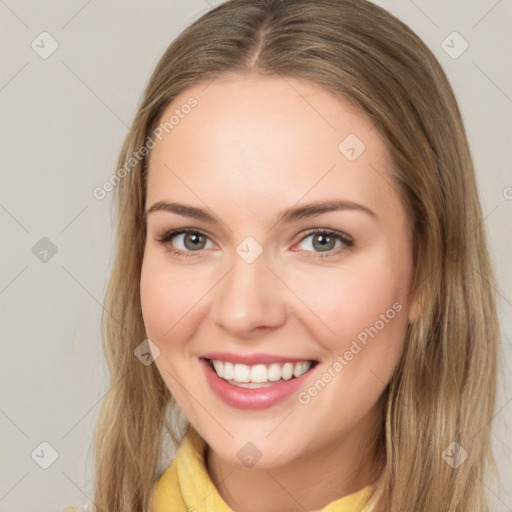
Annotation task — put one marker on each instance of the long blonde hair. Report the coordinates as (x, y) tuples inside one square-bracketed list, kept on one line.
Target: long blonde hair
[(443, 389)]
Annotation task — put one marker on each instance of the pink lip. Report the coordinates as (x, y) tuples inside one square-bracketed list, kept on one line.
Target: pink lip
[(252, 359), (247, 398)]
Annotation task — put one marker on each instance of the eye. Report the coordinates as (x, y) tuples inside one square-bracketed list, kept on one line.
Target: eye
[(327, 241), (187, 240)]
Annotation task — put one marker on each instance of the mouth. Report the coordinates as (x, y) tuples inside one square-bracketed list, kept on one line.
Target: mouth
[(259, 375)]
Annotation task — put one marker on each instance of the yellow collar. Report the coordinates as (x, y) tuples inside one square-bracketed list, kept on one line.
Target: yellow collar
[(186, 483)]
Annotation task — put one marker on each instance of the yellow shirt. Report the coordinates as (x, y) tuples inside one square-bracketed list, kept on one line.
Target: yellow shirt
[(186, 486)]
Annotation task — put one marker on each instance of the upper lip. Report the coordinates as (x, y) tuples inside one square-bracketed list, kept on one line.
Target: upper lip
[(253, 359)]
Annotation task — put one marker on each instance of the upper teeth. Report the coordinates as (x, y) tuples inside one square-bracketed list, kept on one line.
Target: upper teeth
[(260, 373)]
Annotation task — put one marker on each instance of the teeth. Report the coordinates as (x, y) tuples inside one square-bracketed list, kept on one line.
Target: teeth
[(219, 368), (251, 385), (242, 373), (274, 372), (229, 372), (300, 368), (260, 375), (287, 371)]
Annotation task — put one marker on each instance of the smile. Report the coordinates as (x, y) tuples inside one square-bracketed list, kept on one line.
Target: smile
[(255, 386), (260, 375)]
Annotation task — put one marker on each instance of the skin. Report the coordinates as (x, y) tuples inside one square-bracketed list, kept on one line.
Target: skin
[(253, 147)]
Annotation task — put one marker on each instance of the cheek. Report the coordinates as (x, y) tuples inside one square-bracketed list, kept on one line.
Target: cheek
[(360, 320), (357, 303), (171, 301), (170, 297)]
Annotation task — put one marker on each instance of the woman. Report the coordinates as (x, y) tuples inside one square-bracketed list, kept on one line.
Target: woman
[(301, 254)]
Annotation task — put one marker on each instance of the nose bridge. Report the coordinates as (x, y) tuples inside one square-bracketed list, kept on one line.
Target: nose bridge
[(250, 295)]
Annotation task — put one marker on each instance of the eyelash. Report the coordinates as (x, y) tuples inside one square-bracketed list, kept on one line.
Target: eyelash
[(345, 239)]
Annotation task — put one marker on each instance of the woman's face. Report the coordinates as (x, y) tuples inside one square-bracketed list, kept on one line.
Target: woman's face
[(257, 165)]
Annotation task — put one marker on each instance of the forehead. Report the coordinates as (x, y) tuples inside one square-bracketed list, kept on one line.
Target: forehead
[(265, 140)]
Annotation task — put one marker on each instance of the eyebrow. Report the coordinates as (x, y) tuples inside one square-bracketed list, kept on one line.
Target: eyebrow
[(286, 216)]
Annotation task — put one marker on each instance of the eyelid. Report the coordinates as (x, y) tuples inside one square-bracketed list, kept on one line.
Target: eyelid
[(172, 233), (327, 231)]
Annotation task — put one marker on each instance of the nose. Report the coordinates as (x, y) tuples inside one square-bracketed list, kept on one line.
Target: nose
[(250, 299)]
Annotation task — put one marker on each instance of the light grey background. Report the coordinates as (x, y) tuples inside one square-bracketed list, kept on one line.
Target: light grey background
[(63, 121)]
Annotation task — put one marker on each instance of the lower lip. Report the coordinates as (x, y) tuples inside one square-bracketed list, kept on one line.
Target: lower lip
[(252, 398)]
